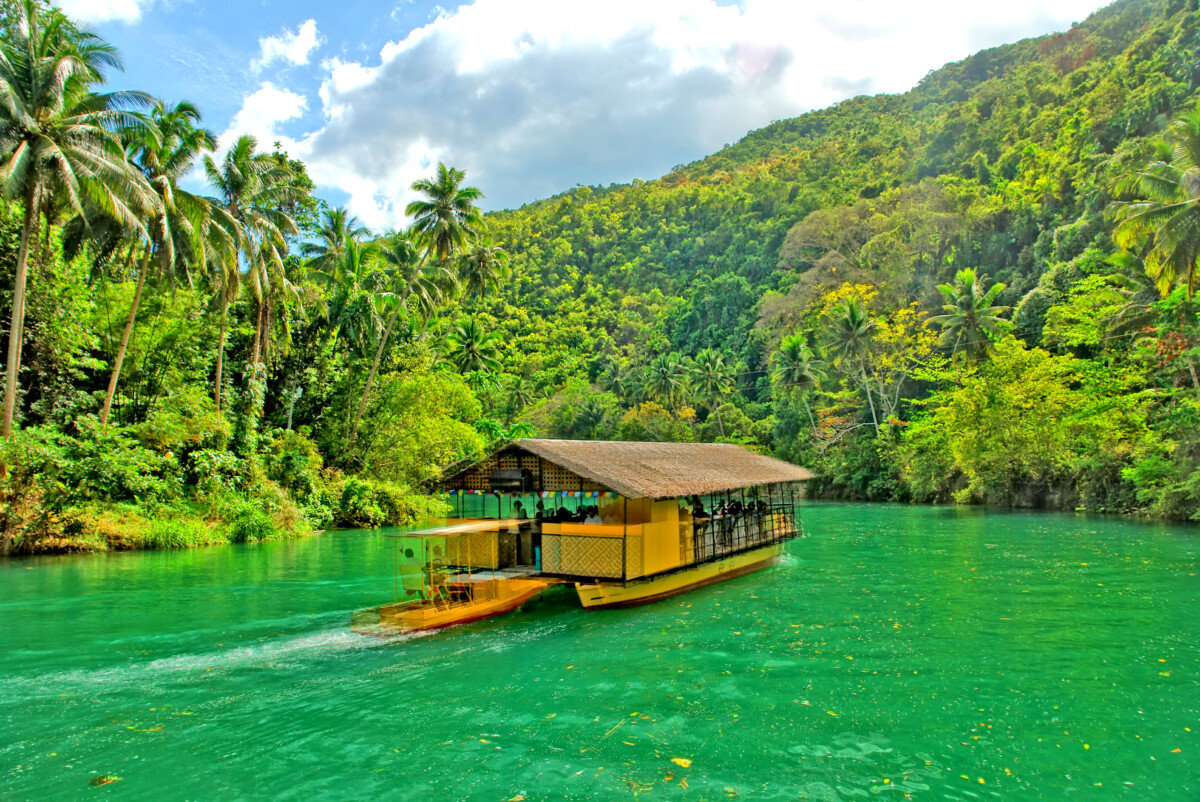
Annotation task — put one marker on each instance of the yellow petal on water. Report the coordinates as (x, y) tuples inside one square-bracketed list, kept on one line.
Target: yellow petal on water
[(830, 712), (517, 798), (981, 781), (483, 740), (683, 782), (570, 667), (1173, 751), (1085, 746), (552, 715), (682, 761)]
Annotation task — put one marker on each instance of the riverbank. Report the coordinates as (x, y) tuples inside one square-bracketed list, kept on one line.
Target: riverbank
[(128, 527)]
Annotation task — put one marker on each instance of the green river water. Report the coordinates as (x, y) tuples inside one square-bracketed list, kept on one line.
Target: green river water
[(938, 653)]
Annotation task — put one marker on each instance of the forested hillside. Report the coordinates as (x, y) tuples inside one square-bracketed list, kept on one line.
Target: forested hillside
[(977, 291), (622, 300)]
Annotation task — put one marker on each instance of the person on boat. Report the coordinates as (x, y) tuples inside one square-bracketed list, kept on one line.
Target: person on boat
[(518, 511), (593, 516), (540, 514)]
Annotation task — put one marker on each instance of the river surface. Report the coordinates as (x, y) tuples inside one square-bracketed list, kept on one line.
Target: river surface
[(933, 653)]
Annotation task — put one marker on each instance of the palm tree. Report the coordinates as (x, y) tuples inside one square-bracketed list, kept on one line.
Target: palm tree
[(712, 380), (850, 343), (338, 229), (472, 350), (1165, 212), (521, 393), (971, 319), (58, 142), (481, 268), (351, 311), (667, 380), (255, 191), (177, 237), (617, 379), (797, 371), (445, 219)]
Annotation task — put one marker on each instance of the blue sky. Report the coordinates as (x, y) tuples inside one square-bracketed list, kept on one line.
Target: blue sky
[(531, 97)]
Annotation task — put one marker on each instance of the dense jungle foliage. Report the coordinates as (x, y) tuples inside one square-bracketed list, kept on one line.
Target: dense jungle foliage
[(978, 291)]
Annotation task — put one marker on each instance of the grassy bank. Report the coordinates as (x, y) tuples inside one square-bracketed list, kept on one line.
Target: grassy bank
[(114, 488)]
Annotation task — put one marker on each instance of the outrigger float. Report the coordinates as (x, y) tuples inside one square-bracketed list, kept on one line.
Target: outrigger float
[(625, 523)]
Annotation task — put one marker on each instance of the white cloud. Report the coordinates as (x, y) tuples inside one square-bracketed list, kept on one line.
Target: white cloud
[(104, 10), (292, 47), (534, 96), (262, 113)]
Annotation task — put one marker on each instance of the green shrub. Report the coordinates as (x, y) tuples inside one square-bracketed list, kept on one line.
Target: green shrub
[(107, 463), (364, 503), (216, 471), (358, 505), (179, 533), (251, 525), (292, 461)]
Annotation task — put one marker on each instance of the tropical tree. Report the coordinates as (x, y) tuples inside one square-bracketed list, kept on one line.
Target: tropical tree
[(481, 268), (471, 349), (711, 381), (667, 379), (256, 191), (849, 341), (351, 312), (58, 142), (445, 219), (617, 379), (177, 233), (971, 319), (1164, 214), (797, 371), (411, 277), (338, 229), (521, 394)]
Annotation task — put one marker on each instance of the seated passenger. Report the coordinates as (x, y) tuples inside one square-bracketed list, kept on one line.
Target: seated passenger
[(593, 516), (518, 511)]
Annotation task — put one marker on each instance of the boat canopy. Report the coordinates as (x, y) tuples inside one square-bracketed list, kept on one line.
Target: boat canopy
[(494, 525), (632, 469)]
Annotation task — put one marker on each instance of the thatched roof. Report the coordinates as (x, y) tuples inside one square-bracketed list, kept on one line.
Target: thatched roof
[(664, 470)]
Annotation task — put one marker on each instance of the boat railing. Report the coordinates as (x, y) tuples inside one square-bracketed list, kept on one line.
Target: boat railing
[(616, 551)]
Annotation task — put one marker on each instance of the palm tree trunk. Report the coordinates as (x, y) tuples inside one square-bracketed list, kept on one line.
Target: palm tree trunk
[(116, 371), (811, 421), (257, 340), (870, 400), (18, 318), (387, 333), (720, 423), (221, 353), (1195, 382)]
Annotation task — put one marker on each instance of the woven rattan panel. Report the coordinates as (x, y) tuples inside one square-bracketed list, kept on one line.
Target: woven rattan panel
[(582, 556)]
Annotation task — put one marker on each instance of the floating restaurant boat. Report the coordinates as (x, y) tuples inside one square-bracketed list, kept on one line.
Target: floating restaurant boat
[(624, 523)]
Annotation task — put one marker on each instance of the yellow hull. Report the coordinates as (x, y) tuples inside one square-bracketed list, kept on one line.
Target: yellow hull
[(644, 591), (409, 617)]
